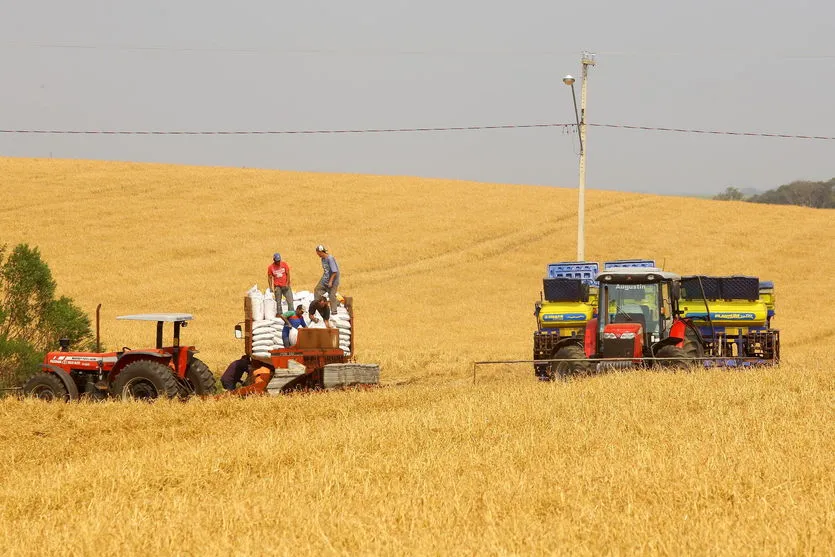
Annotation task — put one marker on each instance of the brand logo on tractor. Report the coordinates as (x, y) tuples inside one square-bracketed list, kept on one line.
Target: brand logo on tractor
[(738, 316), (564, 317), (722, 316), (79, 360), (59, 359)]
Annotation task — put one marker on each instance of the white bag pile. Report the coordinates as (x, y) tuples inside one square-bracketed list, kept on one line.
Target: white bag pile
[(266, 327), (265, 308), (343, 322), (266, 336)]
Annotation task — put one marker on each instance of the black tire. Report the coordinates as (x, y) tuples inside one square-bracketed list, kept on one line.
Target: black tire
[(678, 357), (559, 370), (46, 386), (145, 380), (199, 380), (692, 345)]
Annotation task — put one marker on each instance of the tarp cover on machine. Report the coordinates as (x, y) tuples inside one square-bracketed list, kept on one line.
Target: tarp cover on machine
[(565, 290)]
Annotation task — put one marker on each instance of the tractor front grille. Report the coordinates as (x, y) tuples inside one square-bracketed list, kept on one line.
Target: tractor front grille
[(618, 348)]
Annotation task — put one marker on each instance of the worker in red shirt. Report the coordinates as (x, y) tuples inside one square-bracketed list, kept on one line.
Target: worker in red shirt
[(278, 277)]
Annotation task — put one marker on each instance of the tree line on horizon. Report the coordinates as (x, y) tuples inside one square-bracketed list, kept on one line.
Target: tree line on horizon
[(818, 195)]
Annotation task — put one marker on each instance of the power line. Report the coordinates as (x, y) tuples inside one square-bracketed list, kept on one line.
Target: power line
[(270, 50), (713, 132), (407, 130), (371, 51), (287, 132)]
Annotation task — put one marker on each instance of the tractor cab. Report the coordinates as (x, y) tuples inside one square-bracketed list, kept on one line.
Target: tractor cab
[(636, 312), (179, 357), (179, 320)]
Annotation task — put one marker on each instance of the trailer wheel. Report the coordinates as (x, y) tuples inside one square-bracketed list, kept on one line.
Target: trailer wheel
[(46, 386), (568, 369), (199, 380), (145, 380), (678, 357)]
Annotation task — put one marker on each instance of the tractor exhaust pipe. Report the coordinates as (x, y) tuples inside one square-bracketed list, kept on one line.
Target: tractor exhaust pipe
[(98, 330)]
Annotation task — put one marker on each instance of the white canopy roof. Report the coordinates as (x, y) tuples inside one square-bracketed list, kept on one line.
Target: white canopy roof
[(169, 317)]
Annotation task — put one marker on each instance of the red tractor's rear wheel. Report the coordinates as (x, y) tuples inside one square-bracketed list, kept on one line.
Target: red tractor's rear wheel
[(46, 386), (692, 345), (199, 380), (144, 380), (567, 369)]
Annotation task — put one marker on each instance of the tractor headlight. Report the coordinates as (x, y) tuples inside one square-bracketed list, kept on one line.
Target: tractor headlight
[(609, 335), (627, 335)]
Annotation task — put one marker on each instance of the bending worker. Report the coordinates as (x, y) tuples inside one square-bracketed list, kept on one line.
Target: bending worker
[(292, 320), (234, 373), (320, 305)]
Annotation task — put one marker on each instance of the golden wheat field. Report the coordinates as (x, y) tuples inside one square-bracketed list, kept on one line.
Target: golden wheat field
[(442, 273)]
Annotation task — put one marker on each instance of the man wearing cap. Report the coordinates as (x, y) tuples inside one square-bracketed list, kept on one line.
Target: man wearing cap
[(330, 278), (278, 277)]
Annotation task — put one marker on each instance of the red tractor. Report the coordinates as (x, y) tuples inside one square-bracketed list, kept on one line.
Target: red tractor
[(147, 373), (638, 323)]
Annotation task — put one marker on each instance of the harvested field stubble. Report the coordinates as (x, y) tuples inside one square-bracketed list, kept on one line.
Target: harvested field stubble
[(708, 462)]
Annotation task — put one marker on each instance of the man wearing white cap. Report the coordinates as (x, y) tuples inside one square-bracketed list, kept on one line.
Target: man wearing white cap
[(330, 278)]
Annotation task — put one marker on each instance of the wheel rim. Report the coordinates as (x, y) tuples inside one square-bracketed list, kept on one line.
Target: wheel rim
[(44, 392), (140, 388)]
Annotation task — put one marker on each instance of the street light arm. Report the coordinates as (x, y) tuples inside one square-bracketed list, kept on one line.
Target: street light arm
[(577, 115)]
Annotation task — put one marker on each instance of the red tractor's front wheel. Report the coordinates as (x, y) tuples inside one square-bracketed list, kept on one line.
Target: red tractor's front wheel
[(46, 386), (579, 366), (673, 357), (144, 380)]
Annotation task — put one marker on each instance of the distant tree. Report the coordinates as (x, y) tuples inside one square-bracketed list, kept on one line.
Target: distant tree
[(31, 319), (730, 194), (820, 195)]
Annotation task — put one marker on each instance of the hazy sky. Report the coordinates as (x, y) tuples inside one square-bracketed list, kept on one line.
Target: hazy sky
[(766, 66)]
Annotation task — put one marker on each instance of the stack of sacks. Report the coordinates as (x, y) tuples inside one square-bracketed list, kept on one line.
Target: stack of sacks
[(343, 323), (266, 336)]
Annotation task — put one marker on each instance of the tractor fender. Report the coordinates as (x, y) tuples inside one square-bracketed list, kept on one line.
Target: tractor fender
[(677, 330), (130, 357), (65, 378)]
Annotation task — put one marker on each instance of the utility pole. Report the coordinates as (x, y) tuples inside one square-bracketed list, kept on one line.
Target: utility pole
[(587, 60)]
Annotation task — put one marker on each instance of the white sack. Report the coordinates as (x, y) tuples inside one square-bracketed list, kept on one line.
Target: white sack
[(270, 307)]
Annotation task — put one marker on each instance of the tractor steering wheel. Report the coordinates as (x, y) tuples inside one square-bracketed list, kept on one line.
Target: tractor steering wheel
[(619, 310), (125, 349)]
